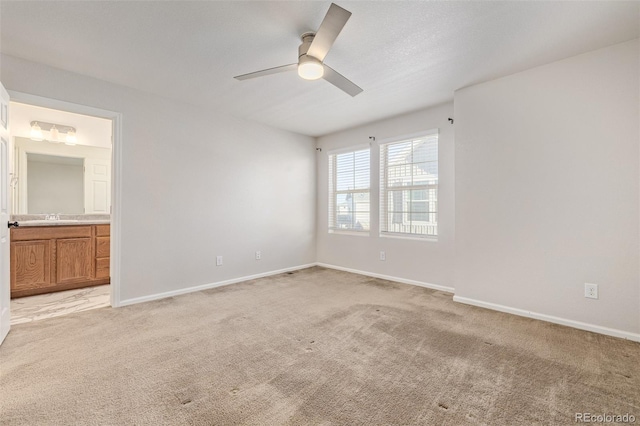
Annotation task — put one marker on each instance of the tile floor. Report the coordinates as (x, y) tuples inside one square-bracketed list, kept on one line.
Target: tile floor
[(34, 308)]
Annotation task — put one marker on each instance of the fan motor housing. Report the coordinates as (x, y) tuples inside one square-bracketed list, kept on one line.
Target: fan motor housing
[(306, 38)]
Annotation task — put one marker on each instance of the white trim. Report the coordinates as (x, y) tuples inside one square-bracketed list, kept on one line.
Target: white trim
[(549, 318), (389, 278), (180, 291), (41, 101), (403, 138), (116, 175), (116, 210), (346, 231), (415, 237), (360, 147)]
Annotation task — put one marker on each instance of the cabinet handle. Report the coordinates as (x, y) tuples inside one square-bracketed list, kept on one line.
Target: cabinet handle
[(12, 224)]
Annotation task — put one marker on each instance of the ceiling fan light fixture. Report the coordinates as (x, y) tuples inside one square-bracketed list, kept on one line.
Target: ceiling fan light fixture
[(313, 50), (310, 68)]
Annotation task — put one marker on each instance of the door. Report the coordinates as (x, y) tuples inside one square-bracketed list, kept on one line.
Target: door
[(5, 283), (97, 186)]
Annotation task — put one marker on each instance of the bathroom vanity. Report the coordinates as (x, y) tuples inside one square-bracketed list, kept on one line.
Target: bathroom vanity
[(49, 256)]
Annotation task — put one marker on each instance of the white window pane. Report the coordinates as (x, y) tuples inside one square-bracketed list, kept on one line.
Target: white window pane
[(399, 153), (408, 187), (420, 154), (349, 181)]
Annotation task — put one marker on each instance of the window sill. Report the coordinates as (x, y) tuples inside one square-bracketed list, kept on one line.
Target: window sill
[(349, 232), (428, 238)]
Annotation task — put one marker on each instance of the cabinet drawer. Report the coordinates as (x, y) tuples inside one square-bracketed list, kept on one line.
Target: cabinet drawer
[(49, 232), (103, 246), (103, 230), (102, 268)]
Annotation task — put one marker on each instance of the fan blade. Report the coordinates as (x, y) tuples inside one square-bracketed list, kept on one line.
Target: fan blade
[(341, 82), (331, 26), (268, 71)]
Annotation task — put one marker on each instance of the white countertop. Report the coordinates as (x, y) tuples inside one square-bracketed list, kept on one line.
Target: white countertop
[(62, 222), (28, 220)]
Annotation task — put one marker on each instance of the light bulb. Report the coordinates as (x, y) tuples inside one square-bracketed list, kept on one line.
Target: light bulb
[(36, 132), (54, 134), (71, 137)]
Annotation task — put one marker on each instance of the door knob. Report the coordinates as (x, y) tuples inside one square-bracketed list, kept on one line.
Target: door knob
[(12, 224)]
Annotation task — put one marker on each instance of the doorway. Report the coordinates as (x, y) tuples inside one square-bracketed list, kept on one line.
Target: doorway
[(97, 195)]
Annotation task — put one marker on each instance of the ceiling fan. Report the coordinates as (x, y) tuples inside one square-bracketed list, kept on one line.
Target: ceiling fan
[(312, 52)]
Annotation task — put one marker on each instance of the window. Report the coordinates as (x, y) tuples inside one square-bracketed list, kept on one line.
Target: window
[(409, 186), (349, 181)]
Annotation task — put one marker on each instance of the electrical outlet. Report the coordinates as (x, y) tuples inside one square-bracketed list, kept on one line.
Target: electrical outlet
[(258, 255), (383, 256), (591, 291), (218, 260)]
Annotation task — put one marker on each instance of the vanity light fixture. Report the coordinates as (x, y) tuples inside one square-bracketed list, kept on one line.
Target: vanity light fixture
[(36, 132), (71, 137), (55, 131)]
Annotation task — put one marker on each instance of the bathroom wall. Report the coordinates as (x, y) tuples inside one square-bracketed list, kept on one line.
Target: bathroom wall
[(90, 131), (21, 188)]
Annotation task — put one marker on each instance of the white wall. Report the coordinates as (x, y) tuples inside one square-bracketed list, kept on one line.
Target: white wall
[(547, 189), (429, 262), (195, 184)]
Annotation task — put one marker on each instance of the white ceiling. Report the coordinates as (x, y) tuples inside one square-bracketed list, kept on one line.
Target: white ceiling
[(405, 55)]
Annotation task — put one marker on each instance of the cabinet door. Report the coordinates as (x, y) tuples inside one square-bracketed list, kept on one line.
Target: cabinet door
[(102, 267), (103, 251), (73, 259), (30, 265), (103, 246)]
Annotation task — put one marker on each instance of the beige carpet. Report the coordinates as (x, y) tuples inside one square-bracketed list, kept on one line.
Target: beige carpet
[(313, 347)]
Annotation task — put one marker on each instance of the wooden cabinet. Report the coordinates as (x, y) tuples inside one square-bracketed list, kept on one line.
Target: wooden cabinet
[(103, 250), (30, 265), (73, 260), (54, 258)]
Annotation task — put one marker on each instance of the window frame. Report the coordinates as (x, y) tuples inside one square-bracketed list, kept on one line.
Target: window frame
[(333, 192), (385, 190)]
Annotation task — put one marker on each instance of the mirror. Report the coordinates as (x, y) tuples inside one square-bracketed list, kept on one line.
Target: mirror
[(59, 178), (56, 184)]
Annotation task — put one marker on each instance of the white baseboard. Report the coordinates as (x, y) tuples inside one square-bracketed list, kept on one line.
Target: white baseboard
[(178, 292), (493, 306), (549, 318), (389, 278)]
